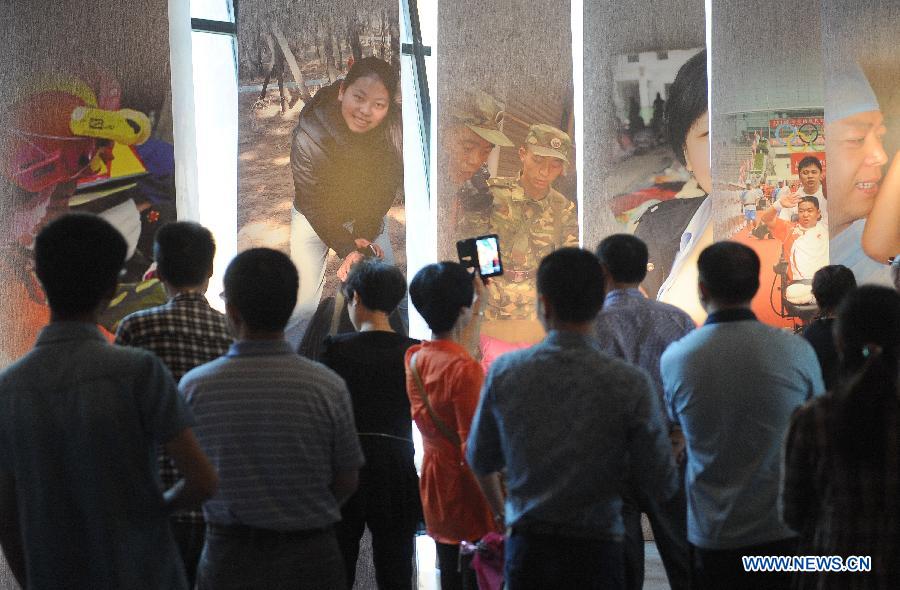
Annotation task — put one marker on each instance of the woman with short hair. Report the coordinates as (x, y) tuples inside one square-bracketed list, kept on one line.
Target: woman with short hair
[(444, 384), (371, 362)]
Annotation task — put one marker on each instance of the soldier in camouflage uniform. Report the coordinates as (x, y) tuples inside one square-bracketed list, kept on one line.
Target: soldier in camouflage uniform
[(476, 130), (531, 219)]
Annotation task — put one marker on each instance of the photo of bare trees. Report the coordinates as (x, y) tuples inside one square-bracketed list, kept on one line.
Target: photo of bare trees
[(287, 51)]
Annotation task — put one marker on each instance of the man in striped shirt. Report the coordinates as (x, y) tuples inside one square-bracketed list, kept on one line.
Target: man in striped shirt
[(279, 428)]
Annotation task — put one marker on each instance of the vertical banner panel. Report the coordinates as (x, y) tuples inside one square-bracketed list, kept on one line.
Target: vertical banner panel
[(86, 126), (862, 122), (505, 155), (320, 171), (635, 182), (768, 148)]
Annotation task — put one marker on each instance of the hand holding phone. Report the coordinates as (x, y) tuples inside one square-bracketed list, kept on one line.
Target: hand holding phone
[(482, 253)]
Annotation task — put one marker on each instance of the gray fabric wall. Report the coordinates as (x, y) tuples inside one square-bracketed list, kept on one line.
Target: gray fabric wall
[(768, 61), (867, 30), (128, 38), (611, 29), (520, 52)]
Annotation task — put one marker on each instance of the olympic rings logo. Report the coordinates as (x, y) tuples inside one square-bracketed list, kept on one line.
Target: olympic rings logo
[(797, 139)]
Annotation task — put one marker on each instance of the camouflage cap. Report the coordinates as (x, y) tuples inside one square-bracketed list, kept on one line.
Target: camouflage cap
[(484, 117), (546, 140)]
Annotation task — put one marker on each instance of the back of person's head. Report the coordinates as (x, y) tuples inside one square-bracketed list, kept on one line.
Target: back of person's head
[(78, 258), (831, 284), (261, 284), (625, 257), (869, 315), (687, 102), (571, 279), (184, 252), (809, 161), (730, 272), (381, 286), (378, 68), (439, 291), (868, 338)]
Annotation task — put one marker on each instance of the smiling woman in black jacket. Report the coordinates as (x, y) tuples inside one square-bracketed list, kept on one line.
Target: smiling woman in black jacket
[(347, 170)]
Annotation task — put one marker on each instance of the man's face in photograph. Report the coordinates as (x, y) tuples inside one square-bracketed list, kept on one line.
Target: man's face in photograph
[(855, 156), (810, 178)]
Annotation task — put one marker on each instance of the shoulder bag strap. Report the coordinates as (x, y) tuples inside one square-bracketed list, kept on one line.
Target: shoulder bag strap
[(441, 425)]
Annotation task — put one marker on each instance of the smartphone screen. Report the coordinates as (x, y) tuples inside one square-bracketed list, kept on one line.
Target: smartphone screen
[(482, 252), (488, 249)]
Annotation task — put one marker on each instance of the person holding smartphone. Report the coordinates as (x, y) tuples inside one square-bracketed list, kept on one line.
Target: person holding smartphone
[(443, 382)]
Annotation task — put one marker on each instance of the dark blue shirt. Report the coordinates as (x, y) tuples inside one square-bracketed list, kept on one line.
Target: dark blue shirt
[(80, 420), (567, 421)]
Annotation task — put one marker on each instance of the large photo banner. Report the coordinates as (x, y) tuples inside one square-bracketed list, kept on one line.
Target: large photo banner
[(646, 154), (862, 120), (506, 155), (86, 126), (320, 171), (770, 177)]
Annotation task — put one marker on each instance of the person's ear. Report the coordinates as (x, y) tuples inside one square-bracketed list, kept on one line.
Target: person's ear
[(607, 277), (545, 308), (233, 314), (523, 153), (703, 292), (341, 91), (687, 160)]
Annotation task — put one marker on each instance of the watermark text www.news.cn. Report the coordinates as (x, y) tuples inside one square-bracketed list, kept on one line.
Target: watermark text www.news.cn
[(807, 563)]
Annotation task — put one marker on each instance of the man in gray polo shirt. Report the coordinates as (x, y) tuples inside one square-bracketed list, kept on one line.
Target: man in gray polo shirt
[(733, 384), (568, 422), (279, 429)]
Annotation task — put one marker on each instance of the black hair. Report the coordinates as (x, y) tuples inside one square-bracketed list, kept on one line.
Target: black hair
[(572, 281), (261, 284), (78, 258), (807, 161), (809, 199), (687, 102), (439, 291), (625, 257), (868, 328), (184, 252), (729, 271), (372, 66), (831, 284), (381, 286)]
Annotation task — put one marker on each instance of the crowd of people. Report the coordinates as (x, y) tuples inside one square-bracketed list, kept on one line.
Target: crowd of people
[(260, 468)]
